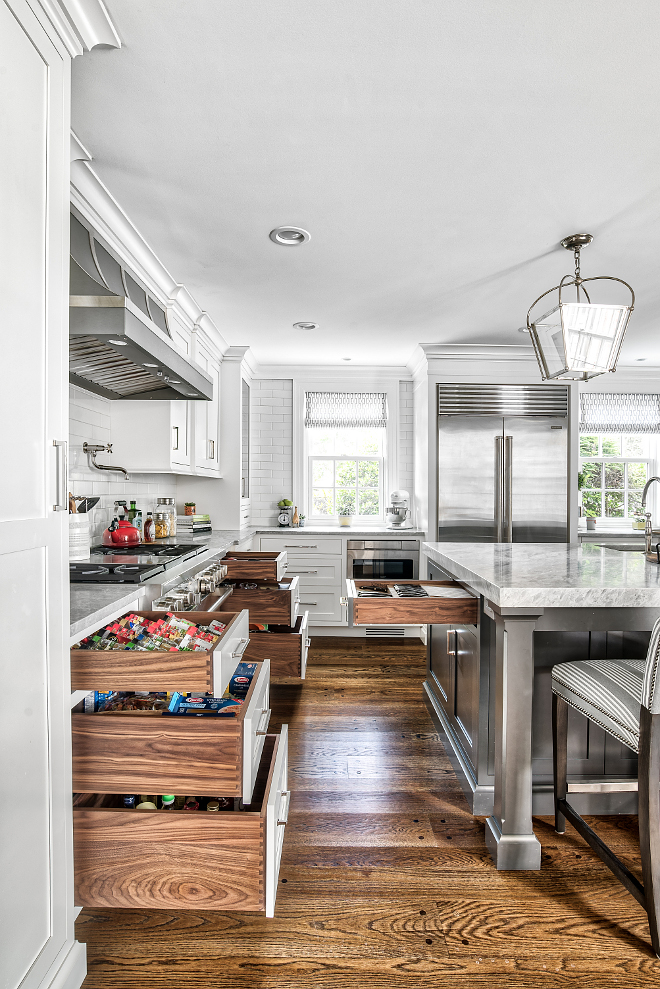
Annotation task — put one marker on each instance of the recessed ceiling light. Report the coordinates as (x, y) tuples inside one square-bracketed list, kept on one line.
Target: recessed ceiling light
[(347, 358), (305, 326), (289, 236), (118, 343), (640, 359)]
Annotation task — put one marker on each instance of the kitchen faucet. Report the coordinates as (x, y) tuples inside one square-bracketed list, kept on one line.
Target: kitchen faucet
[(654, 557), (91, 449)]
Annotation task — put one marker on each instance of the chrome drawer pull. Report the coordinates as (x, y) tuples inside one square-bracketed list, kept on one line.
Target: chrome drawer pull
[(343, 602), (308, 602), (284, 817), (300, 546), (242, 646), (296, 573), (262, 727)]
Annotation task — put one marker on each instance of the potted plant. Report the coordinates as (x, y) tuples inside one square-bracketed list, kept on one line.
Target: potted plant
[(345, 516), (190, 508), (301, 520), (582, 480)]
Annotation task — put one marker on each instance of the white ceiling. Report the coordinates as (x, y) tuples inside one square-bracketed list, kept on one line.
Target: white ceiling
[(437, 151)]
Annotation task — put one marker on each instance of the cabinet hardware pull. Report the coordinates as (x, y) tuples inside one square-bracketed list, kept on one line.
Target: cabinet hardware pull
[(282, 818), (242, 646), (308, 602), (298, 572), (451, 643), (175, 437), (62, 504), (262, 727), (343, 602), (212, 449), (308, 643), (300, 546)]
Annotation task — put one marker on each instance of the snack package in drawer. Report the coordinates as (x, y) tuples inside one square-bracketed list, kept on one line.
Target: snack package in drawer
[(201, 705)]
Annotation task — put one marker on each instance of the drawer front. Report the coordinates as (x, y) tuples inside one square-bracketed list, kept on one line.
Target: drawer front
[(317, 571), (304, 545), (267, 604), (254, 565), (323, 606), (255, 728), (181, 860), (410, 611), (116, 753), (286, 649), (230, 652)]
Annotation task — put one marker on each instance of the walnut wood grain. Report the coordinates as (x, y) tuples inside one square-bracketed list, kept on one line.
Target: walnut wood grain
[(92, 669), (115, 753), (411, 611), (283, 648), (255, 565), (266, 603)]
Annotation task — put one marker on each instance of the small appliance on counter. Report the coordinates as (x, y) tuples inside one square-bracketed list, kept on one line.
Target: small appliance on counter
[(397, 515)]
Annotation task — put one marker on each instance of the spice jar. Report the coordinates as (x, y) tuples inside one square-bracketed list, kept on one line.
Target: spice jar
[(162, 525), (167, 505)]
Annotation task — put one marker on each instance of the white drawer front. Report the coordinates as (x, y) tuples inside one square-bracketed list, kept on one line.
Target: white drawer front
[(277, 810), (303, 545), (323, 606), (316, 570), (255, 727)]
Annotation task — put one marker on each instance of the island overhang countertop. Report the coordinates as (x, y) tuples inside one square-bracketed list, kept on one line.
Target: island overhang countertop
[(551, 575)]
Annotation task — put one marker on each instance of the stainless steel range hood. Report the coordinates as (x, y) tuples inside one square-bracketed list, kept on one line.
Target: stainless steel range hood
[(115, 349)]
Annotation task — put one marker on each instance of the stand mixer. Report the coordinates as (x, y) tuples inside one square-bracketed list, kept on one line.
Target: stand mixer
[(397, 514)]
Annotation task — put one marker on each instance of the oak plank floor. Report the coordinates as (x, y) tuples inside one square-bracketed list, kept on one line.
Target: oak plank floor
[(385, 880)]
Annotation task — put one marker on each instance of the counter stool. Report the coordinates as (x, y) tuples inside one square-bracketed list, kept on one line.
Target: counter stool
[(623, 697)]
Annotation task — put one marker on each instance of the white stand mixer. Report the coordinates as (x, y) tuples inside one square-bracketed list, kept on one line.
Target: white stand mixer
[(397, 515)]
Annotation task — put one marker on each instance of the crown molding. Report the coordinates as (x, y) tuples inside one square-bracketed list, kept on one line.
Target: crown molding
[(98, 207), (417, 364), (365, 373), (78, 150), (479, 352), (81, 24)]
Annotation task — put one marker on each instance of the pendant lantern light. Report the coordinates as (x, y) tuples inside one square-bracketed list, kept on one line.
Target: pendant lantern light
[(579, 339)]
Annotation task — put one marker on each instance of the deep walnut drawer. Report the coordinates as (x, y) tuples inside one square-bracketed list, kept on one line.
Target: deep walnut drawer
[(267, 602), (182, 860), (148, 752), (286, 647), (93, 669), (410, 611), (255, 565)]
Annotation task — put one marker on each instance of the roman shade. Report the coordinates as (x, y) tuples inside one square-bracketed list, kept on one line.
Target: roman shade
[(327, 409), (610, 412)]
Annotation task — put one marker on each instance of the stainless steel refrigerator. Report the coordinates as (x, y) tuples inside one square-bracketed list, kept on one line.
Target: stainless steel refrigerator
[(503, 463)]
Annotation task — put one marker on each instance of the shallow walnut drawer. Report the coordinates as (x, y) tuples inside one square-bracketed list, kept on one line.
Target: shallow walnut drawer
[(255, 565), (285, 646), (145, 752), (178, 860), (267, 603), (93, 669), (410, 611)]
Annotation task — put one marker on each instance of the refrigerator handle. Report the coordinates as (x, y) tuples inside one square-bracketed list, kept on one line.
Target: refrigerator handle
[(499, 484), (508, 490)]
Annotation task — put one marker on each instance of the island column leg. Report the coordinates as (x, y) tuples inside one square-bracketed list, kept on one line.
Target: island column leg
[(509, 834)]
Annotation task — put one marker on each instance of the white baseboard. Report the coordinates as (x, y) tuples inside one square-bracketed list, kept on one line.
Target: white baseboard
[(69, 968)]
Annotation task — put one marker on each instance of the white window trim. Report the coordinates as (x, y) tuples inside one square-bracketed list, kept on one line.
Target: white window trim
[(299, 449), (652, 459), (363, 519)]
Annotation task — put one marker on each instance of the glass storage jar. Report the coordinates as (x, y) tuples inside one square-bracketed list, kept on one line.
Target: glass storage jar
[(162, 524), (168, 505)]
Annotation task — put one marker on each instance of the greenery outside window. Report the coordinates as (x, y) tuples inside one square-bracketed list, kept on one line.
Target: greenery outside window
[(615, 468), (345, 472)]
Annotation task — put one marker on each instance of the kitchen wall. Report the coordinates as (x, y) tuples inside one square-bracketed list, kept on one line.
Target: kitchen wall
[(406, 437), (89, 420)]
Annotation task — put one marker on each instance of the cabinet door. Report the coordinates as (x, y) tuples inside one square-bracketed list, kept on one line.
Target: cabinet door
[(179, 433), (467, 687), (36, 908), (207, 455), (443, 662)]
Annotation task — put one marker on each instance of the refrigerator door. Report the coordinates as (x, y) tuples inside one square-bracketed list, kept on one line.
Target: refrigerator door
[(470, 448), (535, 479)]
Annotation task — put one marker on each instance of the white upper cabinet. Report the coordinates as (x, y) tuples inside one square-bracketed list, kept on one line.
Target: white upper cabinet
[(151, 437), (207, 419)]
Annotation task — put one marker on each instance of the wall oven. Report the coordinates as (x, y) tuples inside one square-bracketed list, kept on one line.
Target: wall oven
[(382, 559)]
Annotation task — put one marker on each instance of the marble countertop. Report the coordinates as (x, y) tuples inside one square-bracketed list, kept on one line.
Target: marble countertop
[(343, 530), (551, 575), (92, 603)]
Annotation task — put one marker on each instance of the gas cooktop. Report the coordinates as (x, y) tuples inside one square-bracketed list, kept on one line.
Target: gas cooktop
[(113, 573)]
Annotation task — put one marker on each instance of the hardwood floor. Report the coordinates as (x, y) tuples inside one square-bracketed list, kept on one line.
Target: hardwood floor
[(385, 880)]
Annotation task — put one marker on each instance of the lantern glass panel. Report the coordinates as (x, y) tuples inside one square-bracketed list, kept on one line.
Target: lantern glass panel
[(593, 334), (551, 341)]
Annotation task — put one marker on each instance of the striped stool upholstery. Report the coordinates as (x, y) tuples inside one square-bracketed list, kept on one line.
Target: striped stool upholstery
[(623, 697)]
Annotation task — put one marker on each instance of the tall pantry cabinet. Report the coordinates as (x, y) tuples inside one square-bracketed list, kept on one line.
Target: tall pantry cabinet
[(37, 42)]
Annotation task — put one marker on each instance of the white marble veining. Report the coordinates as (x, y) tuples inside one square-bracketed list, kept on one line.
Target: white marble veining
[(551, 575), (92, 603)]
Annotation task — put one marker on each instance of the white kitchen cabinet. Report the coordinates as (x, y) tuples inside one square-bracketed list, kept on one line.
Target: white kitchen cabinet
[(151, 437), (206, 417), (320, 564)]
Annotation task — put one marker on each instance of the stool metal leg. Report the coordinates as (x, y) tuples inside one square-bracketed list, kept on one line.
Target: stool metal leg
[(649, 818), (559, 756)]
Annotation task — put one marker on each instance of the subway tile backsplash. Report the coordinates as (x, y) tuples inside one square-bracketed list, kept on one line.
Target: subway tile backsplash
[(89, 420)]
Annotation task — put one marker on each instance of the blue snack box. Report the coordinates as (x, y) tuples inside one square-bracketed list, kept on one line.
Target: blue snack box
[(241, 679)]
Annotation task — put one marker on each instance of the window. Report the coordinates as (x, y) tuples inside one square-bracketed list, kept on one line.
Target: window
[(345, 471), (615, 468)]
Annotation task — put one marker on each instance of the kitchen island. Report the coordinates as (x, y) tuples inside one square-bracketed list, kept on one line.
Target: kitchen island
[(529, 591)]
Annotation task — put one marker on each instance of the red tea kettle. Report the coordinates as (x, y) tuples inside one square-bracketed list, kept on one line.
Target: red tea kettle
[(121, 533)]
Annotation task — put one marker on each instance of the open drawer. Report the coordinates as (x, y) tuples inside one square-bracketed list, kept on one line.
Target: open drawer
[(209, 671), (445, 602), (183, 860), (149, 752), (267, 602), (255, 565), (286, 647)]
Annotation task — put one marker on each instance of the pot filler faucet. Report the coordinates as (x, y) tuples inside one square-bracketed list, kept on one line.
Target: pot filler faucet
[(91, 449), (653, 557)]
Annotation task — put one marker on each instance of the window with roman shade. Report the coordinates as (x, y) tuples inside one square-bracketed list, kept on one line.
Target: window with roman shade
[(328, 409), (613, 412)]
